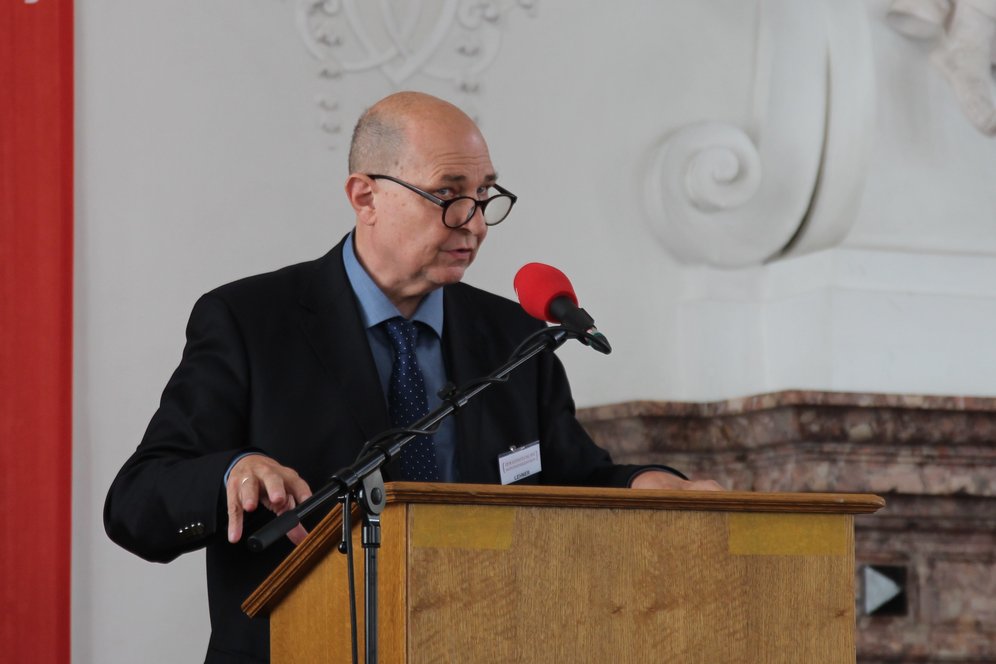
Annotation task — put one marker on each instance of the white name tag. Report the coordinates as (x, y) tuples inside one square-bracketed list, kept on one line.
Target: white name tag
[(520, 463)]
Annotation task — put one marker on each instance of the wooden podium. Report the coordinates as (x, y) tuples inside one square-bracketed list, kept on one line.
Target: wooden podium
[(482, 573)]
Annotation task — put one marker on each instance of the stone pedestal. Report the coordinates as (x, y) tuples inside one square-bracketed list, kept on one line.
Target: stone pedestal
[(932, 458)]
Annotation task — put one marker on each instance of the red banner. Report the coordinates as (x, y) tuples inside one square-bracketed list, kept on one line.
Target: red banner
[(36, 329)]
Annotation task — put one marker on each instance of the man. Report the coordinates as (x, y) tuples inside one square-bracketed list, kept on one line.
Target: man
[(286, 374)]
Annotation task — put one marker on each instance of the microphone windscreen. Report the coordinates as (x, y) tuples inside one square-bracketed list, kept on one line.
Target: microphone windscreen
[(538, 285)]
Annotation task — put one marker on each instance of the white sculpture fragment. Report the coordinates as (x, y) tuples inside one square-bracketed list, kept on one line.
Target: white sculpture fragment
[(966, 51)]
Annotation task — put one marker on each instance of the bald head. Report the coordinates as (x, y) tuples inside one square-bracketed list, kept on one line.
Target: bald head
[(382, 135), (429, 149)]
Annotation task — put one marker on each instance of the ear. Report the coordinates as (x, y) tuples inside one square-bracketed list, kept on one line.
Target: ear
[(359, 191)]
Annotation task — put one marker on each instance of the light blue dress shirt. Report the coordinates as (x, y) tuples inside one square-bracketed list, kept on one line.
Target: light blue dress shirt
[(375, 308)]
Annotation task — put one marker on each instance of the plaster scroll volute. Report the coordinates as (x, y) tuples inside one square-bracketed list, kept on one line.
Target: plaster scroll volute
[(784, 180)]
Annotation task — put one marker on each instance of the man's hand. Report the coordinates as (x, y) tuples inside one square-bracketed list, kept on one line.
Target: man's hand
[(258, 479), (658, 479)]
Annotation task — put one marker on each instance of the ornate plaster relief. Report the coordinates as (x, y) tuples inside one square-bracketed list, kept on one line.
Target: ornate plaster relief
[(452, 41), (965, 51), (786, 180)]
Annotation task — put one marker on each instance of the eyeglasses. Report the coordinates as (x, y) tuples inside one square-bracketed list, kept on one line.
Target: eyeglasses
[(460, 210)]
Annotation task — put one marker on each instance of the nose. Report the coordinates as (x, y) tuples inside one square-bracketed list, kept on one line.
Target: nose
[(476, 224)]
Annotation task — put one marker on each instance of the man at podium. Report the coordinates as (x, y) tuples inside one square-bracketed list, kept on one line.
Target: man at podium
[(284, 375)]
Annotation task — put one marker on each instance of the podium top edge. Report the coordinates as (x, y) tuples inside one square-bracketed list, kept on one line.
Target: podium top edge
[(564, 496)]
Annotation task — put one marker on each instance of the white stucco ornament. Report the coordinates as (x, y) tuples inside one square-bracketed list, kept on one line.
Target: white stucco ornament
[(965, 32), (787, 178), (449, 41)]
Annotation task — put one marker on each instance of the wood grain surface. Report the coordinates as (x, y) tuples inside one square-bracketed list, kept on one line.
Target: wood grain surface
[(498, 574)]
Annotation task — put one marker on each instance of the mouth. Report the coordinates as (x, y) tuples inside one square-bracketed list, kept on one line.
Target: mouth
[(462, 253)]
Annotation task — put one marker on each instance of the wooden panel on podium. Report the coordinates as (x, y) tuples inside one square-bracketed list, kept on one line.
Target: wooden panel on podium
[(473, 573)]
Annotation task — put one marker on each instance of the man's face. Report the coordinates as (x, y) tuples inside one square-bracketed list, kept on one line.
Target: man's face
[(411, 252)]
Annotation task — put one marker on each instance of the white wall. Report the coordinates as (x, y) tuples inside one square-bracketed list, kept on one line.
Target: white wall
[(202, 158)]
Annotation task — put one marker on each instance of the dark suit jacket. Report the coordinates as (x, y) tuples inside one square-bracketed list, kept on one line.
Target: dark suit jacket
[(280, 363)]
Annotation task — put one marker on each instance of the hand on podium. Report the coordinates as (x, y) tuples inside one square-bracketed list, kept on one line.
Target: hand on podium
[(257, 479), (659, 479)]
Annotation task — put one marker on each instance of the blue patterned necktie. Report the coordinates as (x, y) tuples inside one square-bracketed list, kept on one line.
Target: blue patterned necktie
[(407, 402)]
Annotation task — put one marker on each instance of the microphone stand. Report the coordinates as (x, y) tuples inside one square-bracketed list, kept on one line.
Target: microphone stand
[(364, 481)]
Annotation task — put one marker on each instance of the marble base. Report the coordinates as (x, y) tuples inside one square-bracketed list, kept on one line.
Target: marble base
[(932, 458)]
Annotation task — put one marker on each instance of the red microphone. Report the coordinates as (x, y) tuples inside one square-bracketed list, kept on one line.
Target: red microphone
[(538, 285), (546, 293)]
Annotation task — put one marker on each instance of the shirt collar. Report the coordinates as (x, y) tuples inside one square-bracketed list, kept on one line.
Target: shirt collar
[(375, 307)]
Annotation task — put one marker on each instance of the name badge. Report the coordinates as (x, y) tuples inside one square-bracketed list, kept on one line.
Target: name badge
[(519, 463)]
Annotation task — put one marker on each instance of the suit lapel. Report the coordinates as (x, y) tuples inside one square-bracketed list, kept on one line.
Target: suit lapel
[(467, 358), (333, 327)]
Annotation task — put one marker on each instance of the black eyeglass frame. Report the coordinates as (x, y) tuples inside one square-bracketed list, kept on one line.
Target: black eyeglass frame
[(446, 203)]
